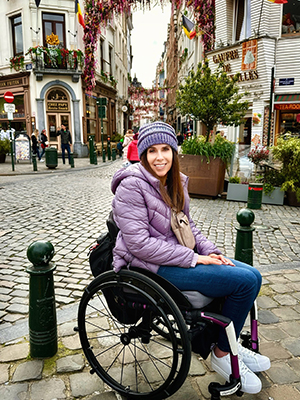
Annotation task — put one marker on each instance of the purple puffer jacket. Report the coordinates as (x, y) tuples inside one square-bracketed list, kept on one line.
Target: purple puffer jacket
[(145, 238)]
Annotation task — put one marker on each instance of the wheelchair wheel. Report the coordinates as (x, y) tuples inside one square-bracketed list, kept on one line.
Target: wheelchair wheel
[(116, 326)]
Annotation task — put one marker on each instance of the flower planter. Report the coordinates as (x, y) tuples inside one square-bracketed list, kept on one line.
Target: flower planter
[(237, 192), (205, 179), (276, 197), (292, 199)]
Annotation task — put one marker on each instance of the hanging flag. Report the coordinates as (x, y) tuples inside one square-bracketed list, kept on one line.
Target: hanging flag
[(188, 27), (37, 2), (79, 14), (278, 1)]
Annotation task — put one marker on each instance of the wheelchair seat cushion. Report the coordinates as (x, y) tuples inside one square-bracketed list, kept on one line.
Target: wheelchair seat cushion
[(197, 299)]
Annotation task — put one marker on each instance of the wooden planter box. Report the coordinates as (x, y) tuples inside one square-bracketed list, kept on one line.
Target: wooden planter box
[(205, 179), (237, 192), (292, 199)]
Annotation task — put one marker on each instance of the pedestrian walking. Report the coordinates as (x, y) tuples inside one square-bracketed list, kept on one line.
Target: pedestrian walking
[(66, 141), (120, 147), (132, 153), (44, 141), (35, 144), (149, 198), (128, 139)]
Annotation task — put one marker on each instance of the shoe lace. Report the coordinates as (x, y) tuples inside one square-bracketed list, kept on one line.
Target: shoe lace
[(246, 351), (243, 368)]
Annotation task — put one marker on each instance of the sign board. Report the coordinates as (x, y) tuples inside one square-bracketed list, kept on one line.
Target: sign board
[(286, 81), (9, 97), (102, 112), (10, 115), (124, 108), (101, 101), (22, 147), (28, 67), (130, 117), (9, 108)]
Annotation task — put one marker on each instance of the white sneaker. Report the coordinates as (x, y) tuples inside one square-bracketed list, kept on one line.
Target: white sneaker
[(254, 361), (250, 382), (41, 160)]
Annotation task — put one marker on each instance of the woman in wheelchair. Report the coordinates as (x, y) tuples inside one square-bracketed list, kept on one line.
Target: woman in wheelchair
[(146, 194)]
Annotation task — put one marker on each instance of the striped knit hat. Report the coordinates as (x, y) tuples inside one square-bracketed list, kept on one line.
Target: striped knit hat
[(156, 133)]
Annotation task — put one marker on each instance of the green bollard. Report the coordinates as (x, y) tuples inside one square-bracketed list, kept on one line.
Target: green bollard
[(72, 160), (42, 311), (103, 155), (95, 157), (91, 149), (108, 149), (34, 162), (244, 236), (255, 192), (113, 154)]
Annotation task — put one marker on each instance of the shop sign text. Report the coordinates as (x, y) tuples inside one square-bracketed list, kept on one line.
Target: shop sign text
[(292, 106), (56, 106)]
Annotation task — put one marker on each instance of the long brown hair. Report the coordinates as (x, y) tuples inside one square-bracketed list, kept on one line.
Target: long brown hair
[(173, 194)]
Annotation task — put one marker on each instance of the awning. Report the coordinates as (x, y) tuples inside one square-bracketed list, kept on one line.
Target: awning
[(287, 98)]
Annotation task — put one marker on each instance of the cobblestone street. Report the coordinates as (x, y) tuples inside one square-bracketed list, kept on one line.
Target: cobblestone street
[(70, 211)]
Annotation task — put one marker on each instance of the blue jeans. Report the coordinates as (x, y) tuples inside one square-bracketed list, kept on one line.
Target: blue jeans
[(63, 148), (239, 285)]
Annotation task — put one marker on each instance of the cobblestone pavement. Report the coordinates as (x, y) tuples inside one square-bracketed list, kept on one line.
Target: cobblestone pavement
[(69, 210)]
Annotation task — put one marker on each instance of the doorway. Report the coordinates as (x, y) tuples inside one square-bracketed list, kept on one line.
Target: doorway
[(55, 120)]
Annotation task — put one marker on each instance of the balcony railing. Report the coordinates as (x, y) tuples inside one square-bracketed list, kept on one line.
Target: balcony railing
[(48, 60)]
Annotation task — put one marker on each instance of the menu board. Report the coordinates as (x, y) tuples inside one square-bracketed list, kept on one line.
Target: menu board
[(22, 147)]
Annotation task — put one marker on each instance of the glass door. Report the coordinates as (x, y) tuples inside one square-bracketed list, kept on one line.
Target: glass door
[(55, 121)]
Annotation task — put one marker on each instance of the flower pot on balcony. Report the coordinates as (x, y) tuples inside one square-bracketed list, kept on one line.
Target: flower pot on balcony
[(276, 197), (237, 191), (205, 178)]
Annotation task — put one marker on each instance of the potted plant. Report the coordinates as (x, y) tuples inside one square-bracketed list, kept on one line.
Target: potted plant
[(288, 152), (237, 190), (212, 98), (205, 163), (272, 187), (4, 148)]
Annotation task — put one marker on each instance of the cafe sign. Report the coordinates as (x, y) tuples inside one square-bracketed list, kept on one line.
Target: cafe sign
[(57, 106)]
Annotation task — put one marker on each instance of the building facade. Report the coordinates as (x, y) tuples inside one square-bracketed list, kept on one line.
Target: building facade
[(41, 63), (259, 40)]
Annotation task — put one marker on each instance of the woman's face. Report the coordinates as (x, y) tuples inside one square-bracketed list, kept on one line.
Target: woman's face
[(160, 159)]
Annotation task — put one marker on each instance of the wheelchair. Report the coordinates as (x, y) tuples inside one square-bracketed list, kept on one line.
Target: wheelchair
[(136, 330)]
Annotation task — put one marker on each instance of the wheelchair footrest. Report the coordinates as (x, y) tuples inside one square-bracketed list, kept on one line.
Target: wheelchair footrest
[(216, 389)]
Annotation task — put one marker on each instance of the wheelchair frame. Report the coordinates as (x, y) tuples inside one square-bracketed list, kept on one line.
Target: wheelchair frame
[(135, 335)]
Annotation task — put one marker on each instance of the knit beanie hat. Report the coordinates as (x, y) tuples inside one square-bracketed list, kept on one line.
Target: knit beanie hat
[(156, 133)]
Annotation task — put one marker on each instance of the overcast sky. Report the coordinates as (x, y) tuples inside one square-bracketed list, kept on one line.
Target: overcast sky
[(149, 33)]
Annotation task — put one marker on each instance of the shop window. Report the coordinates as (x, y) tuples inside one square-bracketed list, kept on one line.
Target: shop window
[(241, 19), (291, 18), (54, 23), (17, 35), (290, 123)]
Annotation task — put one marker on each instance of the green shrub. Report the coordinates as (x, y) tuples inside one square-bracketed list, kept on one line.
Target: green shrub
[(4, 146), (288, 152), (234, 179), (221, 147)]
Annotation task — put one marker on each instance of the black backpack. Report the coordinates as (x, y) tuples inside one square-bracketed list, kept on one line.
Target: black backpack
[(101, 253)]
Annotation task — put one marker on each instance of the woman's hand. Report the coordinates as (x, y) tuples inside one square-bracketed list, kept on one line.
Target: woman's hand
[(223, 259), (206, 260)]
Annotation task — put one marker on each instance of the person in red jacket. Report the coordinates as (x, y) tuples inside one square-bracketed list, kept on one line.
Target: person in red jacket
[(132, 153)]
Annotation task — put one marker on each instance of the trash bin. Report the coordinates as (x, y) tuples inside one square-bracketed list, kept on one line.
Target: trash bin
[(255, 192), (51, 157)]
